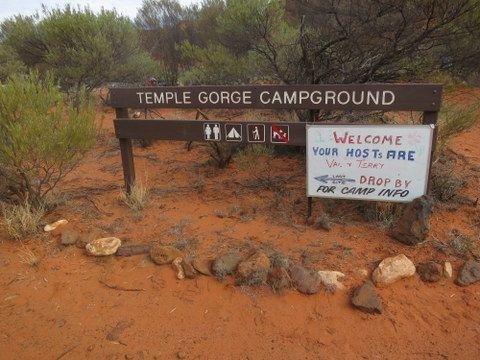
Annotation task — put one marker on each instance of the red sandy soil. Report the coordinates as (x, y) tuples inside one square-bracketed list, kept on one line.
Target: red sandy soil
[(61, 308)]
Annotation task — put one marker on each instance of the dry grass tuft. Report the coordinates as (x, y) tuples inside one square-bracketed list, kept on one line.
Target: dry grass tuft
[(22, 220), (255, 159), (382, 213), (323, 221), (446, 183), (463, 245), (454, 119), (28, 257), (138, 198)]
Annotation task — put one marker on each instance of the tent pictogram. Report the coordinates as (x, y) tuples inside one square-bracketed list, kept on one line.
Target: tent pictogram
[(233, 132)]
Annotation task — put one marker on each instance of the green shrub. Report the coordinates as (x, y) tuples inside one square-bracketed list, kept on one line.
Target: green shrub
[(216, 65), (9, 63), (220, 153), (42, 137)]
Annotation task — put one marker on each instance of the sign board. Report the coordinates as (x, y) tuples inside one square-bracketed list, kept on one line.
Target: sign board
[(387, 163), (267, 132), (388, 97), (368, 162)]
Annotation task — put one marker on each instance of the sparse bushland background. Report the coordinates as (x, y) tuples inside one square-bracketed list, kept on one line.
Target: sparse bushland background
[(81, 49), (255, 204), (51, 62), (241, 41)]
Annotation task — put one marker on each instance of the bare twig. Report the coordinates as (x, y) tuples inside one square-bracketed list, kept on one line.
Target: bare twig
[(118, 287), (148, 157), (200, 112), (67, 351)]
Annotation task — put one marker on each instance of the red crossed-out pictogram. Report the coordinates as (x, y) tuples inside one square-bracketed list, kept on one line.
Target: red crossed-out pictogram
[(279, 135)]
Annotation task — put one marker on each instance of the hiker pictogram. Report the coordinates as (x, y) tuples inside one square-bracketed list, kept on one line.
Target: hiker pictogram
[(256, 133), (233, 132), (212, 131), (279, 134)]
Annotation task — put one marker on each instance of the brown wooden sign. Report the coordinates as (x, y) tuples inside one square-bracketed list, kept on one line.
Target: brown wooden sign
[(386, 97), (234, 132), (421, 97)]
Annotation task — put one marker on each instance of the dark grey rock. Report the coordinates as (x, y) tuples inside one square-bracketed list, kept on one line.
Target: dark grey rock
[(365, 298), (412, 226), (430, 271), (469, 273)]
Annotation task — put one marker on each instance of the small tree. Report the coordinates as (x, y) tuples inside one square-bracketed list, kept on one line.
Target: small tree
[(162, 27), (42, 138), (216, 65), (165, 24), (80, 48), (459, 49)]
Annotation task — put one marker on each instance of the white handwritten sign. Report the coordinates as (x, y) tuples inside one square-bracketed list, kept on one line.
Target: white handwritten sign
[(368, 162)]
